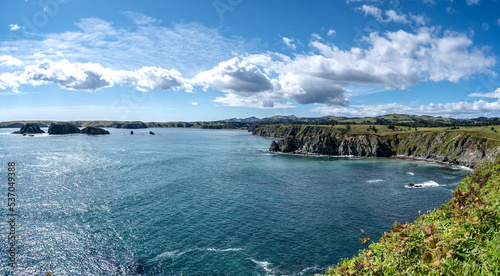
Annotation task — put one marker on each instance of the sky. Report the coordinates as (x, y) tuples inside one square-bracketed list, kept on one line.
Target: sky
[(203, 60)]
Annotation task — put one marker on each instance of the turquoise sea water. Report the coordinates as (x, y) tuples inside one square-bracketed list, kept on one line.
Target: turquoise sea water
[(199, 202)]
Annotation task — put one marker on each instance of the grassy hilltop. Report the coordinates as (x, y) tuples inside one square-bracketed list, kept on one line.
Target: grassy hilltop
[(461, 237)]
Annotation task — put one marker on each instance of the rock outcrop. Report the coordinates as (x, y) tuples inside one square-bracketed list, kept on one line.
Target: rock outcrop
[(29, 128), (94, 131), (63, 128), (454, 147)]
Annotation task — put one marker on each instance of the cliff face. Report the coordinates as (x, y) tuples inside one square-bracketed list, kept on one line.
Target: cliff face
[(457, 148)]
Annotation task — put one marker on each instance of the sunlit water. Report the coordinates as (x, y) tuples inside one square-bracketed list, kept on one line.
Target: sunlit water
[(199, 202)]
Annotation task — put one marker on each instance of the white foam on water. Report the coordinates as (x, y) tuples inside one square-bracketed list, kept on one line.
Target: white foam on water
[(411, 173), (223, 250), (426, 184), (263, 265), (176, 253), (374, 180)]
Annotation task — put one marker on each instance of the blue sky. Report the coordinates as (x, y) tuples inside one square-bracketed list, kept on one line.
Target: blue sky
[(208, 60)]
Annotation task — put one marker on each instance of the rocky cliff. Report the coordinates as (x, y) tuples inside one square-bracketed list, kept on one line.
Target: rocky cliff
[(460, 148), (30, 128), (63, 128)]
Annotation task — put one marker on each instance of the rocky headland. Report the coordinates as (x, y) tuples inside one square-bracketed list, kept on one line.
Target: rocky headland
[(453, 147)]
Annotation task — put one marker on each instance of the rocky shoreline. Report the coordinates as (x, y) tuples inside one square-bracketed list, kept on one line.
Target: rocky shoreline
[(455, 148)]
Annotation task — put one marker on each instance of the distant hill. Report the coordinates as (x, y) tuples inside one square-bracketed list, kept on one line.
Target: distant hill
[(251, 122)]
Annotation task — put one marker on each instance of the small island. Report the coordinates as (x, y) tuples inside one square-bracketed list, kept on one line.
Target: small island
[(30, 128)]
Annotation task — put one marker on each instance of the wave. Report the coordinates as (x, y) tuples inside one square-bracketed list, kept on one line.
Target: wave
[(374, 180), (177, 253), (427, 184), (264, 265), (411, 173)]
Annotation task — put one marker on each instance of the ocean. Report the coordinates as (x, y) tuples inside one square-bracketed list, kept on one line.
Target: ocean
[(199, 202)]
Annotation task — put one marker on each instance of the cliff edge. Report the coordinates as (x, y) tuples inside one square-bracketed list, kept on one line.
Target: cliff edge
[(453, 146)]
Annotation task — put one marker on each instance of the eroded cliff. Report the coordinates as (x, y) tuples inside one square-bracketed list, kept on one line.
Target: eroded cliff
[(454, 147)]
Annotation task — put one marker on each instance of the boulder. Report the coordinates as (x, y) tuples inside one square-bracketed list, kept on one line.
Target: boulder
[(94, 131), (29, 128), (63, 128)]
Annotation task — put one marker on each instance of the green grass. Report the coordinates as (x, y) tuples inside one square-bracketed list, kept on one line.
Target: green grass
[(461, 237)]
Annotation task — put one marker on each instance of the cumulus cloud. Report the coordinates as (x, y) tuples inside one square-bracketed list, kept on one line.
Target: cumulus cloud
[(494, 94), (235, 76), (289, 42), (92, 76), (72, 76), (331, 32), (394, 60), (14, 27), (10, 61), (445, 109)]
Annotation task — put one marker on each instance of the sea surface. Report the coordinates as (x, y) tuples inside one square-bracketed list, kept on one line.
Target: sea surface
[(199, 202)]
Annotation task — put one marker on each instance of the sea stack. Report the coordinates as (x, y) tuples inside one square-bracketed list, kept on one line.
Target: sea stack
[(94, 131), (63, 128), (29, 128)]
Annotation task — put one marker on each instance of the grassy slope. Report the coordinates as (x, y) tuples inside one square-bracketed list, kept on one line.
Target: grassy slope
[(461, 237)]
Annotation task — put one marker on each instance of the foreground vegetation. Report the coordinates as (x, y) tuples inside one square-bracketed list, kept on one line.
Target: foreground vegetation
[(461, 237)]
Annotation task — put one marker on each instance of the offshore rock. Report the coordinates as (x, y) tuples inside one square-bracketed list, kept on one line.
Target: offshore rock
[(63, 128), (94, 131), (29, 128)]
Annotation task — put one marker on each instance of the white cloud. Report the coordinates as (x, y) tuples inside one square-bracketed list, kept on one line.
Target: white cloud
[(139, 18), (394, 16), (10, 61), (189, 48), (92, 76), (194, 103), (316, 36), (450, 10), (477, 108), (14, 27), (472, 2), (372, 10), (395, 60), (289, 42), (494, 94), (235, 76), (331, 32), (498, 21), (485, 26)]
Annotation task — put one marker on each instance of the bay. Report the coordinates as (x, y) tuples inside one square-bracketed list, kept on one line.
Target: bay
[(201, 202)]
